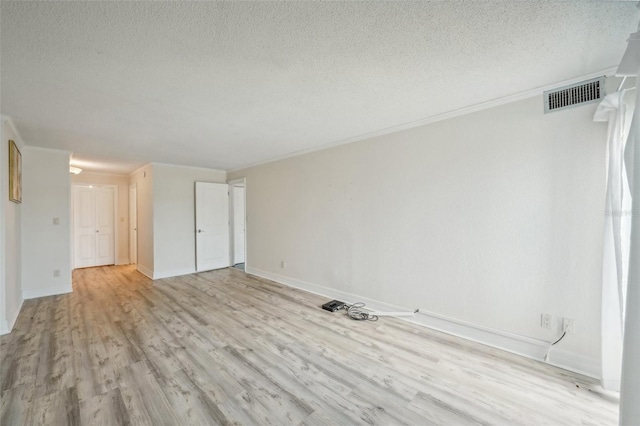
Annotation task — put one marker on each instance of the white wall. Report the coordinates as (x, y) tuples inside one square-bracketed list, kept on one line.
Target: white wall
[(122, 221), (143, 179), (4, 326), (174, 216), (45, 247), (483, 221), (10, 236)]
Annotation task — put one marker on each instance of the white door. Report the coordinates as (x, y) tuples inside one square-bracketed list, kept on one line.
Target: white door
[(84, 229), (238, 224), (93, 216), (212, 226), (105, 253), (133, 224)]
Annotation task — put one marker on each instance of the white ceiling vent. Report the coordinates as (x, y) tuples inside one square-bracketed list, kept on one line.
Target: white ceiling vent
[(576, 94)]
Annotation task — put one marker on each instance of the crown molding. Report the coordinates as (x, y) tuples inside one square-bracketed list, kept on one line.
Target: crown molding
[(437, 117), (43, 149), (119, 175), (12, 124), (155, 163), (139, 169)]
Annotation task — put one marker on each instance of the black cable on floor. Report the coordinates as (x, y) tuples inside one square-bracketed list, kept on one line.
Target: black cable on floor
[(356, 313)]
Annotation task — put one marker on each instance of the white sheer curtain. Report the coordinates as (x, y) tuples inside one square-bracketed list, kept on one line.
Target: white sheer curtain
[(617, 109), (630, 386)]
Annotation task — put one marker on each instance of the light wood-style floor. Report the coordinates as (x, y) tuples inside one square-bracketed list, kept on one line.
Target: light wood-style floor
[(224, 347)]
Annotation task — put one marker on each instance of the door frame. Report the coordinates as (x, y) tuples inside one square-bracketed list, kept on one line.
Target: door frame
[(133, 233), (231, 183), (116, 226)]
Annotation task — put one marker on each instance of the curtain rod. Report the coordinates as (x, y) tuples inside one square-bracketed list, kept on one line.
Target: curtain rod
[(622, 83)]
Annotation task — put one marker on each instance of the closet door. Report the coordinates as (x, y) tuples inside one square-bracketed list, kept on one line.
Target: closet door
[(93, 226)]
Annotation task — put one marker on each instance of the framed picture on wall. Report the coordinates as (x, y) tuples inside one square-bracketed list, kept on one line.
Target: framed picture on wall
[(15, 173)]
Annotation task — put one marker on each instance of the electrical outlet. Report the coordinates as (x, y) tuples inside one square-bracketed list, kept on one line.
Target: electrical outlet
[(56, 221), (545, 320), (569, 325), (282, 264), (56, 273)]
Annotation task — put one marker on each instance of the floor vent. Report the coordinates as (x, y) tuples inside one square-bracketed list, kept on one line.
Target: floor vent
[(576, 94)]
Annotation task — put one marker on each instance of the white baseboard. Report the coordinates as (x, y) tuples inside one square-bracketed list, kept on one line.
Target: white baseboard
[(514, 343), (7, 326), (50, 291), (575, 362), (124, 261), (145, 271), (158, 275)]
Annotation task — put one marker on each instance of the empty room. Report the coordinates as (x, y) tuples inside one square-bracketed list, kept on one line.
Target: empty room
[(319, 213)]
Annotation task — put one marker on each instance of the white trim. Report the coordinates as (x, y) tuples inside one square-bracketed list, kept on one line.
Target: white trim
[(232, 253), (7, 326), (575, 362), (116, 224), (43, 149), (145, 271), (155, 163), (13, 126), (611, 384), (177, 272), (133, 223), (435, 118), (139, 169), (123, 261), (158, 275), (119, 175), (34, 294), (514, 343)]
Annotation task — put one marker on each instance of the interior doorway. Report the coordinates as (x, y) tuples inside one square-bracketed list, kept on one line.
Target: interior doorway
[(94, 236), (238, 216)]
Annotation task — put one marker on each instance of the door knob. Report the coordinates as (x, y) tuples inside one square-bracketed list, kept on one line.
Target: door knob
[(199, 231), (97, 230)]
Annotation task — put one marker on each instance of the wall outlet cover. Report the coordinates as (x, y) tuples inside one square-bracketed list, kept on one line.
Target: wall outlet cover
[(545, 320), (569, 325)]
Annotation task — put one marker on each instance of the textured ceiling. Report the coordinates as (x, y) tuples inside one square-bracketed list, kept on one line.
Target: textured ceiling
[(228, 84)]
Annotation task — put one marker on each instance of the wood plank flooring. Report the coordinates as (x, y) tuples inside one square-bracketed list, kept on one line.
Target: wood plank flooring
[(224, 347)]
